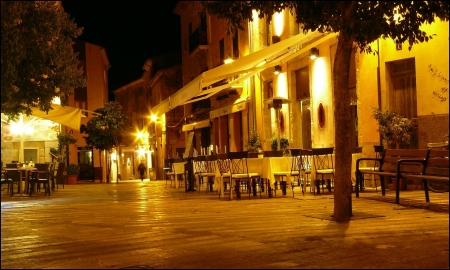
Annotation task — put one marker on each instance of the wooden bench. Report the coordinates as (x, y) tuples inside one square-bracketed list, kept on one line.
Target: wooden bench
[(413, 162), (436, 169)]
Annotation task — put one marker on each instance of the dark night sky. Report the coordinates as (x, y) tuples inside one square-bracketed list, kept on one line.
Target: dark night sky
[(130, 31)]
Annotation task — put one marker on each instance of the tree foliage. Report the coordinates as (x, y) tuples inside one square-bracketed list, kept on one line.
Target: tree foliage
[(37, 58), (358, 24), (105, 130), (63, 145), (364, 21)]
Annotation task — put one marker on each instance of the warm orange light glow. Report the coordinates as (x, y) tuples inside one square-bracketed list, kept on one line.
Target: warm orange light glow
[(228, 60), (319, 78), (278, 20)]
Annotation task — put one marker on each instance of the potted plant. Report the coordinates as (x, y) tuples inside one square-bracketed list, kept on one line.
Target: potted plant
[(284, 144), (253, 144), (393, 128), (72, 173)]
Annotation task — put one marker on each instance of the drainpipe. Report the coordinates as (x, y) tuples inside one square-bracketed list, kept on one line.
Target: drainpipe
[(379, 84)]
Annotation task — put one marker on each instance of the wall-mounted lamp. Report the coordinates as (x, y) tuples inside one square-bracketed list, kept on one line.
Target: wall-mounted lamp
[(275, 39), (277, 69), (314, 53)]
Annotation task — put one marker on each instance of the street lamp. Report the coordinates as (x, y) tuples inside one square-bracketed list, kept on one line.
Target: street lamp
[(277, 104)]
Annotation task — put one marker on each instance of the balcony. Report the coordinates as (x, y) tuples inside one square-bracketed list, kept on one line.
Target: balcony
[(198, 44)]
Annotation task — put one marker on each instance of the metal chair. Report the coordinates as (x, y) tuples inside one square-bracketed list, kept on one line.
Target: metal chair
[(209, 171), (239, 173), (295, 170), (292, 172), (170, 174), (224, 168), (179, 175), (305, 167), (323, 167), (199, 169)]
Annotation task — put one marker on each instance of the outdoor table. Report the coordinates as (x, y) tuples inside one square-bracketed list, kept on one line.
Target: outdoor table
[(24, 173), (266, 168)]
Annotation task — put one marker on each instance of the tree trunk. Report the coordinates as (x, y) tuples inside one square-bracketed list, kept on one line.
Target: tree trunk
[(342, 127)]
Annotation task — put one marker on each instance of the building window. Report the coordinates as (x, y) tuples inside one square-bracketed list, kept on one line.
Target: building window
[(302, 83), (235, 45), (222, 51)]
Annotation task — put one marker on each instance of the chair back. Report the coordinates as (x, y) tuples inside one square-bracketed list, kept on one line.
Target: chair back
[(323, 159), (11, 165), (199, 164), (273, 153), (210, 163), (59, 178), (168, 164), (14, 175), (306, 160), (238, 162), (223, 163), (42, 167)]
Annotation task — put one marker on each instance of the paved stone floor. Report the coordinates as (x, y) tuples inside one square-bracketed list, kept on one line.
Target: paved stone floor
[(139, 225)]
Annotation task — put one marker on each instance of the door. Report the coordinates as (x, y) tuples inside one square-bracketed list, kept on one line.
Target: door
[(306, 124), (85, 161)]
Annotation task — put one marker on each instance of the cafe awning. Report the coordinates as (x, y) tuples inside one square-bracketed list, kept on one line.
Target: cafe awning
[(64, 115), (237, 106), (197, 125), (239, 70)]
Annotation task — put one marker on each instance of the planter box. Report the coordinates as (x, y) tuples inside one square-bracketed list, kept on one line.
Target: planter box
[(72, 179)]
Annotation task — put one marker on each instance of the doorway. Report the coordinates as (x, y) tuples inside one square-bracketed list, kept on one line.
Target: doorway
[(85, 161), (30, 154)]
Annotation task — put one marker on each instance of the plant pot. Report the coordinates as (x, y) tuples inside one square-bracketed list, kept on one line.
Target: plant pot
[(72, 179)]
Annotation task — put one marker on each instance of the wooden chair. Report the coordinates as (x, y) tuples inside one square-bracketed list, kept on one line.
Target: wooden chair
[(323, 167), (6, 180), (239, 173), (224, 168), (40, 176), (59, 176), (14, 177)]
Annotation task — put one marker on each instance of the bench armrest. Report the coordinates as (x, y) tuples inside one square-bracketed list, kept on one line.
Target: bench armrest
[(361, 159), (409, 160)]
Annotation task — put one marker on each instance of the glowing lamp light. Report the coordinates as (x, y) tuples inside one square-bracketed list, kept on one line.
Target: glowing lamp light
[(228, 60)]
